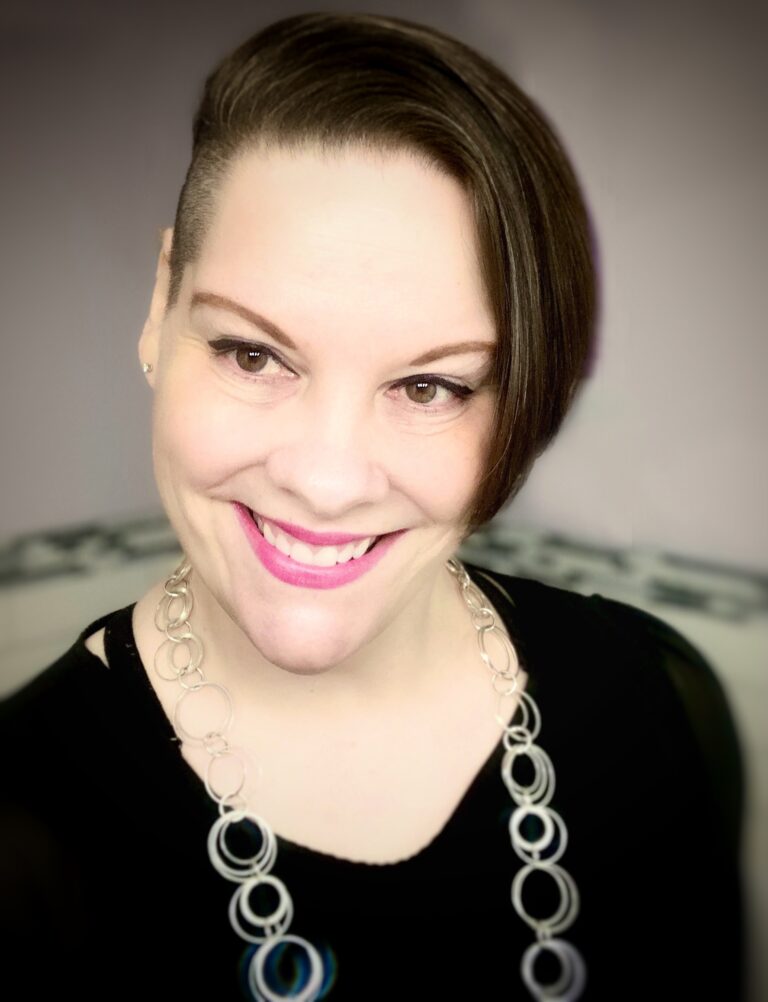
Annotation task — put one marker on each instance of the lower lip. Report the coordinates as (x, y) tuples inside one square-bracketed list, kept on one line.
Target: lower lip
[(293, 572)]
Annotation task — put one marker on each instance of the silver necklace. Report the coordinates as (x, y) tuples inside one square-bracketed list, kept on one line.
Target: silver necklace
[(250, 872)]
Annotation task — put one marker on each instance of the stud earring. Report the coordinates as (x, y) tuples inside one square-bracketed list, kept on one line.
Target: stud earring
[(147, 367)]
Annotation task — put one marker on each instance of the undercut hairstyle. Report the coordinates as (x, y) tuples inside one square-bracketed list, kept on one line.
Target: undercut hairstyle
[(330, 82)]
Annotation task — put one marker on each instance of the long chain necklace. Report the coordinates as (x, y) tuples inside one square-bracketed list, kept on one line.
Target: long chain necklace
[(251, 872)]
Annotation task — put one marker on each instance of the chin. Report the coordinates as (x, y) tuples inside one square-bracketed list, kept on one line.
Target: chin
[(305, 672), (302, 651)]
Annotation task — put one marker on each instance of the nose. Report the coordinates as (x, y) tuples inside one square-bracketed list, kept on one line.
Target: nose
[(327, 458)]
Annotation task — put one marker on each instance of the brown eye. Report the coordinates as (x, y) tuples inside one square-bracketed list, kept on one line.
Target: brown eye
[(422, 392), (248, 358), (252, 360)]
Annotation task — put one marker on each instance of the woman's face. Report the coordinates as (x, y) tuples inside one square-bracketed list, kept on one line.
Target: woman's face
[(365, 263)]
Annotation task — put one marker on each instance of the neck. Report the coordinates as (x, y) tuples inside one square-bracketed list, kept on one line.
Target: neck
[(404, 661)]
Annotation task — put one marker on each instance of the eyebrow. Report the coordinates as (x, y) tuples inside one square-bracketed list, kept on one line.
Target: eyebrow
[(202, 298)]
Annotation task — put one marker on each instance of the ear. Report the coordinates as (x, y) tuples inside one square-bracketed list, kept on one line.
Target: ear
[(149, 342)]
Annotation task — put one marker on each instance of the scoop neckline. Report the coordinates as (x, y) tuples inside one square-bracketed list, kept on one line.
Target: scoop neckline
[(125, 663)]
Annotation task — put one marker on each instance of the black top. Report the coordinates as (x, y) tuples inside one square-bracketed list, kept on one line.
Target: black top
[(108, 891)]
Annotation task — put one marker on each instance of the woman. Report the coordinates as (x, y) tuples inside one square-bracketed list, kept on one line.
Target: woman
[(318, 760)]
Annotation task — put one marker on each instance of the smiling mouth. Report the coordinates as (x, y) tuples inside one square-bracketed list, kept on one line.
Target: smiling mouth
[(338, 547)]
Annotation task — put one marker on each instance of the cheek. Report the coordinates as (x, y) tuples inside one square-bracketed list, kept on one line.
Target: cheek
[(200, 437), (442, 473)]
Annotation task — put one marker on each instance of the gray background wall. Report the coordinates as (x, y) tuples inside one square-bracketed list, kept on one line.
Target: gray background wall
[(661, 106)]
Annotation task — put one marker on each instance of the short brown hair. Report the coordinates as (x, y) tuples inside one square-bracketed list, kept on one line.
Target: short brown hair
[(334, 80)]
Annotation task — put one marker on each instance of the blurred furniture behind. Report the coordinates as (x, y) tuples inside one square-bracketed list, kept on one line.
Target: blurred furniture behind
[(53, 583)]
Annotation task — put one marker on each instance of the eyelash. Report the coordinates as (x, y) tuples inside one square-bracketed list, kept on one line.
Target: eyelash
[(228, 346)]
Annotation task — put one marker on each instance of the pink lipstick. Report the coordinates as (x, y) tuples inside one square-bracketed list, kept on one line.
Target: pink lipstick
[(294, 572), (316, 538)]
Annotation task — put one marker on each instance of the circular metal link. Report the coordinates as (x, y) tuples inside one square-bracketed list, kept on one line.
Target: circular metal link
[(182, 571), (210, 741), (275, 923), (477, 616), (184, 734), (531, 851), (252, 871), (507, 690), (261, 861), (178, 671), (164, 606), (507, 671), (261, 990), (216, 757), (565, 912), (541, 787), (232, 802), (477, 604), (192, 686), (569, 985), (522, 732)]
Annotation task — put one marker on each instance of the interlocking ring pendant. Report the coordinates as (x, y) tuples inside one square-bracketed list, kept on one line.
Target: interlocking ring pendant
[(248, 872), (540, 853), (532, 800)]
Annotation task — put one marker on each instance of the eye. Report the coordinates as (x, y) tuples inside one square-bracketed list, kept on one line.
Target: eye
[(424, 397), (251, 359)]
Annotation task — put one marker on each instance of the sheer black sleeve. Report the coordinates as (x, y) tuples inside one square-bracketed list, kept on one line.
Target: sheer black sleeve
[(696, 935)]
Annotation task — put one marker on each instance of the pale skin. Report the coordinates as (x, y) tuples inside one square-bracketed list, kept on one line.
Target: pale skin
[(353, 703)]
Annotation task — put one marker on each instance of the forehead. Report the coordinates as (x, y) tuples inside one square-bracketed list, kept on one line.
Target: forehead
[(384, 229)]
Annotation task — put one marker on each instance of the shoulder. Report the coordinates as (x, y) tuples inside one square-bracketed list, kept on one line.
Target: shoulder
[(688, 671), (699, 693), (50, 697), (685, 684), (48, 727), (632, 629)]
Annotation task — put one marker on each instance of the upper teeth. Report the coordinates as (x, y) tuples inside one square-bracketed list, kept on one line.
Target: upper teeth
[(322, 556)]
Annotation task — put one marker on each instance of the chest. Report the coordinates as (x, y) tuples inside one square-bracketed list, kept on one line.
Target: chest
[(376, 793)]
